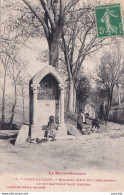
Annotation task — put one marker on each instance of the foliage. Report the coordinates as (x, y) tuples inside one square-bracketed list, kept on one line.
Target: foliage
[(13, 68), (83, 90), (51, 16), (79, 38), (79, 41), (111, 71)]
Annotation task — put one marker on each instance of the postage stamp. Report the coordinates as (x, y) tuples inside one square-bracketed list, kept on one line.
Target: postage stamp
[(109, 20)]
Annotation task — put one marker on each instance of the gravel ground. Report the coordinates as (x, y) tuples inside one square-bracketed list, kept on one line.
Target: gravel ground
[(102, 151)]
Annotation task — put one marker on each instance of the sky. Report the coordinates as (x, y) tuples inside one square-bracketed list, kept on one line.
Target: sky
[(38, 45), (30, 54)]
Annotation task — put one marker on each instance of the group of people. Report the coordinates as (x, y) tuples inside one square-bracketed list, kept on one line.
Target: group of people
[(102, 115), (81, 121)]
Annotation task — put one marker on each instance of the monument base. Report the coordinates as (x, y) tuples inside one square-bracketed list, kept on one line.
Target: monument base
[(22, 135), (35, 131), (62, 130)]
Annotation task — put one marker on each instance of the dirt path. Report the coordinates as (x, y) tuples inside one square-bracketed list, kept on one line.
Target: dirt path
[(103, 151)]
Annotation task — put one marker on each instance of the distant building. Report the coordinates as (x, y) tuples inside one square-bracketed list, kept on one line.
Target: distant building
[(118, 94)]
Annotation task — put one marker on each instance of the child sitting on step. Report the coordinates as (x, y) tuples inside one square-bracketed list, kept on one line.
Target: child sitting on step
[(51, 128)]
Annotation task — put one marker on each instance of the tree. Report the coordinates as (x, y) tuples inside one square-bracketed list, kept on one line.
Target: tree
[(111, 71), (16, 69), (79, 40), (23, 91), (12, 70), (6, 58), (52, 20), (83, 91), (11, 64)]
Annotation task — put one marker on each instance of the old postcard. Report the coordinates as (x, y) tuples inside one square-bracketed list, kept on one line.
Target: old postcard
[(62, 96)]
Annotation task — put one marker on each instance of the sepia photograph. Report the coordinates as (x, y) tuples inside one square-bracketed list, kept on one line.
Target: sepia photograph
[(61, 96)]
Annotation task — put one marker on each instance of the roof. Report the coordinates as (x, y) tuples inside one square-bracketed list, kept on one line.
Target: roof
[(49, 69)]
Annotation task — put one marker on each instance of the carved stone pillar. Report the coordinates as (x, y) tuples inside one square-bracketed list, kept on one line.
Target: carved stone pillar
[(34, 125), (62, 129), (61, 104), (34, 120)]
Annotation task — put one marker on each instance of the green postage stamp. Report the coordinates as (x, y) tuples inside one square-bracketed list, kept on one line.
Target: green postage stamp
[(109, 20)]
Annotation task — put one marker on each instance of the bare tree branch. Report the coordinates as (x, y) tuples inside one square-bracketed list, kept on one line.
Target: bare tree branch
[(70, 5), (38, 17), (47, 10)]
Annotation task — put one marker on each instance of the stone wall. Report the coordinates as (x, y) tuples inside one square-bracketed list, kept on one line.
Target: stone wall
[(116, 114)]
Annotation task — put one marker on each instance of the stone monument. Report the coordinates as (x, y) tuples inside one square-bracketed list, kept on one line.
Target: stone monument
[(23, 135), (46, 90)]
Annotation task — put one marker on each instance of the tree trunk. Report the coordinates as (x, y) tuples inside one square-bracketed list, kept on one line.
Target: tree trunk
[(13, 108), (3, 100), (23, 102), (12, 115), (119, 94), (53, 43), (110, 105), (77, 106), (74, 100), (71, 96), (110, 97)]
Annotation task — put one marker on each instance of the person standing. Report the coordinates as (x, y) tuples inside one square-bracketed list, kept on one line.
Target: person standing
[(81, 121), (104, 112)]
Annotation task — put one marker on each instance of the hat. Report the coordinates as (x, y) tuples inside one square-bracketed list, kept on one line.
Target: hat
[(51, 118), (81, 110)]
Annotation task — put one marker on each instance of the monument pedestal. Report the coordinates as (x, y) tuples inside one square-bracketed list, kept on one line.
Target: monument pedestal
[(23, 135), (35, 131), (62, 130), (46, 89)]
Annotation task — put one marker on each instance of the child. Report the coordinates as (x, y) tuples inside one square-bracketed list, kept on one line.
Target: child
[(51, 128)]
